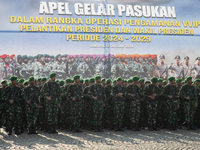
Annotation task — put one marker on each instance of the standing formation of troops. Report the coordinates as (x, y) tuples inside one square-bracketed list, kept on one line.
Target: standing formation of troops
[(48, 104), (110, 66)]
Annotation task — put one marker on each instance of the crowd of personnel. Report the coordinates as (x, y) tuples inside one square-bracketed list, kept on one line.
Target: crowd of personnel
[(48, 104), (125, 66)]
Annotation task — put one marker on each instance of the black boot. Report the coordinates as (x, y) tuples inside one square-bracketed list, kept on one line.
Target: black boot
[(17, 131), (9, 131)]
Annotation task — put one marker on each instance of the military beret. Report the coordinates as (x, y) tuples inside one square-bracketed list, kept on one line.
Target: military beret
[(13, 78), (119, 79), (162, 56), (24, 57), (57, 80), (130, 80), (103, 79), (154, 80), (52, 75), (81, 80), (198, 58), (164, 82), (86, 81), (177, 57), (76, 77), (186, 58), (114, 80), (25, 82), (39, 79), (160, 80), (178, 80), (68, 80), (3, 81), (19, 56), (9, 84), (108, 80), (44, 79), (58, 55), (20, 80), (61, 83), (183, 82), (92, 80), (141, 80), (31, 78), (136, 78), (171, 78), (72, 81), (97, 77), (188, 78)]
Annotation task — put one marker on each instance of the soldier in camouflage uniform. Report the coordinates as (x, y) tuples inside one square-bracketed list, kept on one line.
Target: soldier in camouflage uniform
[(108, 104), (143, 105), (188, 94), (98, 94), (119, 94), (88, 100), (61, 123), (51, 92), (31, 94), (160, 105), (2, 103), (13, 96), (134, 110), (170, 92), (76, 98), (151, 92), (180, 112)]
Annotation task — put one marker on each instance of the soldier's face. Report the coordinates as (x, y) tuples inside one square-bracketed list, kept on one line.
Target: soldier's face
[(162, 60), (4, 84), (172, 82), (42, 58), (190, 81), (53, 79), (77, 81), (20, 84), (14, 82), (98, 81), (142, 84), (32, 82), (7, 60), (119, 82)]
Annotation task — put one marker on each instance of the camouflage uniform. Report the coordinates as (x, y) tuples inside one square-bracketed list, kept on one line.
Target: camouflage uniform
[(75, 90), (151, 104), (97, 90), (171, 104), (118, 105), (189, 105), (108, 107), (32, 93), (14, 110), (2, 107), (52, 89), (134, 111)]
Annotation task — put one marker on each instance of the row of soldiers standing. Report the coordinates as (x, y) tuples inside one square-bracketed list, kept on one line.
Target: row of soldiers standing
[(98, 103)]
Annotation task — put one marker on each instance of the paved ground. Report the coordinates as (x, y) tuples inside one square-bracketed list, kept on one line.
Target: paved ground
[(143, 140)]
